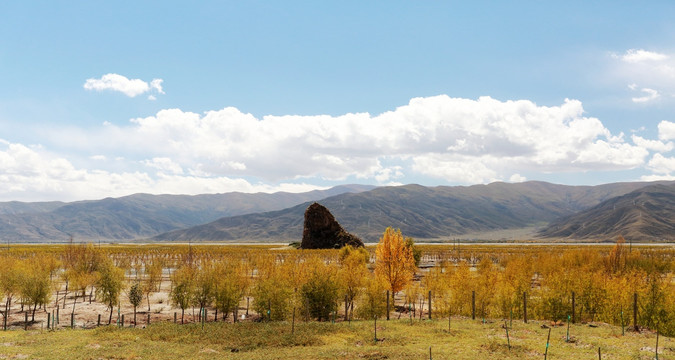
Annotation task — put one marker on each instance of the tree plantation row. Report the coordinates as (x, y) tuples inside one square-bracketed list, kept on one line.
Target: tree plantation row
[(396, 278)]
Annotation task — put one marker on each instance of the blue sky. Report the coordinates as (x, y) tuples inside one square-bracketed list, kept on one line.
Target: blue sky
[(111, 98)]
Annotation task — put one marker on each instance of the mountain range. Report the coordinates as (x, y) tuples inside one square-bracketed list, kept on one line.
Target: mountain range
[(639, 210), (434, 213), (140, 215)]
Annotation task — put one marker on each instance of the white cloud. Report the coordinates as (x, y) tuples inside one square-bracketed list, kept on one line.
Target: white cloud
[(666, 130), (517, 178), (653, 145), (165, 165), (31, 174), (650, 94), (460, 140), (661, 165), (120, 83), (640, 55)]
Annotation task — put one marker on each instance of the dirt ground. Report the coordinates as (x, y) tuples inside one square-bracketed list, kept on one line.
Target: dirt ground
[(86, 314)]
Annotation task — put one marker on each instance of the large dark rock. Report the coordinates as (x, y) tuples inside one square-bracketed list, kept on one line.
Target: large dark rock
[(322, 231)]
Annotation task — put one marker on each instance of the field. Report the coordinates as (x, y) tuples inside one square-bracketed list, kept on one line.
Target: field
[(397, 339), (483, 281)]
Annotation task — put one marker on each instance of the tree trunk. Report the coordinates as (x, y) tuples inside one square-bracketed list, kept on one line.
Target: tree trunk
[(182, 315), (32, 319), (148, 296), (110, 317), (134, 316)]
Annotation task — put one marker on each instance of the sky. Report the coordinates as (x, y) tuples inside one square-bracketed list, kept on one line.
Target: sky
[(106, 99)]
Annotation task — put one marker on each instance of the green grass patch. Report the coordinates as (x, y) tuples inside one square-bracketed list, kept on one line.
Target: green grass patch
[(397, 339)]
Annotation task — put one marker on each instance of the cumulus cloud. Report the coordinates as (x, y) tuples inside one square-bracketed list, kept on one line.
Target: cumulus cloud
[(452, 139), (666, 130), (460, 140), (662, 167), (640, 55), (653, 145), (31, 174), (120, 83)]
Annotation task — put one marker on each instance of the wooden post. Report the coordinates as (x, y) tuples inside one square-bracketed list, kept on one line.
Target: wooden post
[(573, 308), (148, 322), (429, 304), (473, 305), (98, 322), (635, 312), (72, 320), (525, 307), (49, 318), (387, 305), (57, 316), (175, 317), (376, 328), (599, 354), (122, 322)]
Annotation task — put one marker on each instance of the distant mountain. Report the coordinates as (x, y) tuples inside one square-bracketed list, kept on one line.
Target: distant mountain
[(141, 215), (420, 212), (18, 207), (645, 214)]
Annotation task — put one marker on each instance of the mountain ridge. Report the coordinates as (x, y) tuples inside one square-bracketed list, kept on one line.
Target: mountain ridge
[(420, 212)]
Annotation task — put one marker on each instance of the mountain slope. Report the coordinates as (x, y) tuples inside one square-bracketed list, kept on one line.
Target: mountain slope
[(643, 215), (142, 215), (420, 212)]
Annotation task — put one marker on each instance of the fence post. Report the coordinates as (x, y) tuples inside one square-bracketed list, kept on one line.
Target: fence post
[(122, 322), (635, 312), (98, 322), (387, 305), (429, 304), (148, 319), (49, 318), (175, 316), (72, 320), (525, 307), (473, 305)]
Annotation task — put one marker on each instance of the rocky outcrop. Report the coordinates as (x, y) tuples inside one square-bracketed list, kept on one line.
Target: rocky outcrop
[(322, 231)]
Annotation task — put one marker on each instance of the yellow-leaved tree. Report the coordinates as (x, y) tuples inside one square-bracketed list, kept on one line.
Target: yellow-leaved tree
[(394, 261)]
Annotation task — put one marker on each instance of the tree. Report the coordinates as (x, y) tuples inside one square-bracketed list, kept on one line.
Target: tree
[(394, 263), (272, 291), (231, 283), (153, 278), (9, 282), (182, 290), (352, 273), (109, 284), (321, 290), (416, 251), (34, 284), (373, 300), (135, 297), (203, 287)]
